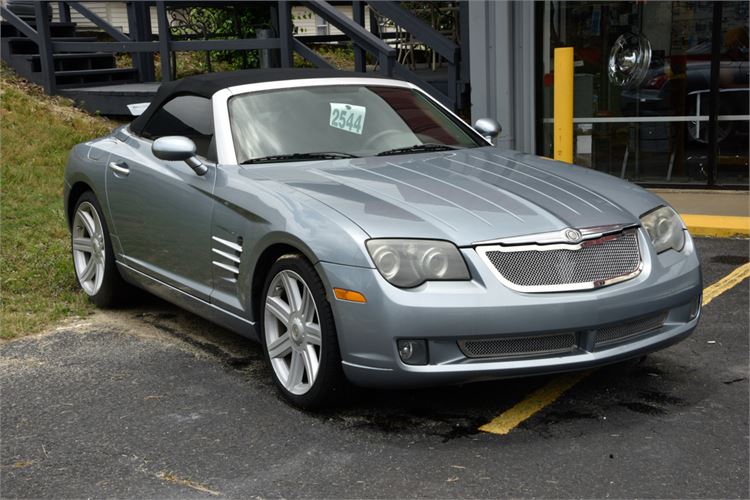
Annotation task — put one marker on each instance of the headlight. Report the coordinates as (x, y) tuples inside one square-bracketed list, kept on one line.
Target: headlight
[(665, 228), (409, 263)]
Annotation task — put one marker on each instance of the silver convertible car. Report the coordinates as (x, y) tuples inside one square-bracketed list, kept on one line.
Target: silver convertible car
[(362, 232)]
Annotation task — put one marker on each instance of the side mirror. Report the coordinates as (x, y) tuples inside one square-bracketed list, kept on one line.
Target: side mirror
[(178, 148), (488, 127)]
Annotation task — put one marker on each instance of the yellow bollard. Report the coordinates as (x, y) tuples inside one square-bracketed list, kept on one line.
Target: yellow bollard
[(563, 105)]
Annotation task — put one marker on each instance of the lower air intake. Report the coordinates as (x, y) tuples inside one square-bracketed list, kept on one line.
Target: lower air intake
[(514, 347), (619, 333)]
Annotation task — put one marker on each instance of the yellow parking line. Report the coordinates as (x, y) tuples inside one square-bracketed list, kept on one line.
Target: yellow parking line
[(725, 283), (546, 395), (532, 403)]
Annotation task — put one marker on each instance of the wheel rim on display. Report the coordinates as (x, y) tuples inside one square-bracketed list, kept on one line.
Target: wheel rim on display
[(292, 329), (88, 248)]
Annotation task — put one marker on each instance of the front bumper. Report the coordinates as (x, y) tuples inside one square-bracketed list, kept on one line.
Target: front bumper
[(444, 313)]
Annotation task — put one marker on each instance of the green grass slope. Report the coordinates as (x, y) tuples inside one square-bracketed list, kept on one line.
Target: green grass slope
[(38, 286)]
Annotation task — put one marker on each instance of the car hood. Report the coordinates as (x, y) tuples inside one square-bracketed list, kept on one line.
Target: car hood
[(463, 196)]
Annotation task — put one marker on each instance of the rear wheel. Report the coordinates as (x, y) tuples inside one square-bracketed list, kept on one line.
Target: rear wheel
[(93, 258), (299, 335)]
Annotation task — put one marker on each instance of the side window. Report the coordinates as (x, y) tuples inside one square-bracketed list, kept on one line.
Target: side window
[(187, 115)]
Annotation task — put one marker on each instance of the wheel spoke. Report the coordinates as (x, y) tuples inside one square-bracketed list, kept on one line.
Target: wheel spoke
[(89, 270), (308, 305), (280, 347), (312, 333), (89, 223), (292, 291), (279, 308), (83, 245), (311, 363), (296, 370)]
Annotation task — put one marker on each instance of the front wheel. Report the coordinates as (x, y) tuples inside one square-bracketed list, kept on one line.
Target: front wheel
[(93, 258), (299, 334)]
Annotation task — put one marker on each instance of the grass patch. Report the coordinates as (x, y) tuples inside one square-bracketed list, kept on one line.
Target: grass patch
[(36, 276)]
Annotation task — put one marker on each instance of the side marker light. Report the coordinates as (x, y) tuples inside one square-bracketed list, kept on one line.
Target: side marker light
[(349, 295)]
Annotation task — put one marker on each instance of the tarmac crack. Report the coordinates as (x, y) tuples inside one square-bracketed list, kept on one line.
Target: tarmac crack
[(189, 483), (733, 381)]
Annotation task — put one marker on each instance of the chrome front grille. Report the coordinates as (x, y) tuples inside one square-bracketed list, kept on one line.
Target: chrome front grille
[(560, 267), (625, 331), (501, 347)]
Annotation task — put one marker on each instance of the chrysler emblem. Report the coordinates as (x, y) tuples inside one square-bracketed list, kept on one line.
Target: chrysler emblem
[(573, 235)]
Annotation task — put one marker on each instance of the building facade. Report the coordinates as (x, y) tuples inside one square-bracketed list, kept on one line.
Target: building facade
[(645, 77)]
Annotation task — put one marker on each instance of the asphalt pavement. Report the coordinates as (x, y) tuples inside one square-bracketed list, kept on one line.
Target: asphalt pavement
[(151, 401)]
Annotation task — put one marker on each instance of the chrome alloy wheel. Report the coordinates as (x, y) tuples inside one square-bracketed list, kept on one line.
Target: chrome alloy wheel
[(292, 329), (89, 251)]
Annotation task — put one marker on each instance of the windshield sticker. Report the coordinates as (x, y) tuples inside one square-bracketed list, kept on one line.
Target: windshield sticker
[(347, 117)]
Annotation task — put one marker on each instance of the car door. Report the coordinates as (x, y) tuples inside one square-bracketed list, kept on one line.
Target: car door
[(161, 210)]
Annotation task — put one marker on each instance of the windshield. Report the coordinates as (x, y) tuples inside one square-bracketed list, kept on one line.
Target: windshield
[(341, 121)]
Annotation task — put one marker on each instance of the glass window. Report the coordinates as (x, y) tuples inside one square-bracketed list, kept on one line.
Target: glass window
[(350, 119), (189, 116), (734, 97), (641, 112)]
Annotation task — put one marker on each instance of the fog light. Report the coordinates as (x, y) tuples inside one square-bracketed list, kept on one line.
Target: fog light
[(413, 352), (695, 307)]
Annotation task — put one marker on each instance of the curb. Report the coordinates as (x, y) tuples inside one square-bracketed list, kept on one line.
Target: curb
[(717, 226)]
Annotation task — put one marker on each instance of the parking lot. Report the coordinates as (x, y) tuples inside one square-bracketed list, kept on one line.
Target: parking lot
[(151, 401)]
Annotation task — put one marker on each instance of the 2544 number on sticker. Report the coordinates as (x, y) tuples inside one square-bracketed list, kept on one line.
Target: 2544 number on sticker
[(347, 117)]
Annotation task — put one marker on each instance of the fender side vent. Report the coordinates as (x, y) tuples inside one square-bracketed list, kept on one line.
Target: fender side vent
[(228, 256)]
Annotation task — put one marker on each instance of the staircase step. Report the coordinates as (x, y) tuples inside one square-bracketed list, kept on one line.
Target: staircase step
[(8, 30), (69, 55), (52, 24), (60, 24), (56, 29), (89, 77), (69, 62), (62, 29), (23, 45), (84, 72)]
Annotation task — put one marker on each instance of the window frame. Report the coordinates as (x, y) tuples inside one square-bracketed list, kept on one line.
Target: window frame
[(151, 139), (222, 128)]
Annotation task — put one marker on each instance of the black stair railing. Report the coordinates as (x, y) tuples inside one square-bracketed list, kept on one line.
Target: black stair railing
[(364, 41), (362, 38), (39, 35), (141, 44), (138, 19), (439, 43)]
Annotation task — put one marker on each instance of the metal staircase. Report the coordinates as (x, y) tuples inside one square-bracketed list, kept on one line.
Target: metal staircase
[(71, 69), (55, 55)]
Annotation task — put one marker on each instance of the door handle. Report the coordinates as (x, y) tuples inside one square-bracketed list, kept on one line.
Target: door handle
[(119, 168)]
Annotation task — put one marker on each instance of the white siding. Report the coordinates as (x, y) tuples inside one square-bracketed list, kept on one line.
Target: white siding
[(115, 13), (306, 21)]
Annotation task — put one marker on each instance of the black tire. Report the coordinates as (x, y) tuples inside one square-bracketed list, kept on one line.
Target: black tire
[(112, 290), (328, 387)]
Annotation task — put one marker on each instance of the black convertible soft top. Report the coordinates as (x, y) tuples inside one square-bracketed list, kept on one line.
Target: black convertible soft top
[(208, 84)]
